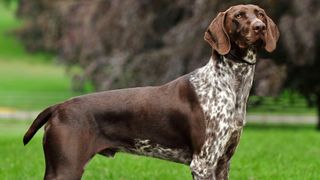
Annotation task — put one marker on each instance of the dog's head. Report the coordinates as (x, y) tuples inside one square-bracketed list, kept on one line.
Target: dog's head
[(246, 26)]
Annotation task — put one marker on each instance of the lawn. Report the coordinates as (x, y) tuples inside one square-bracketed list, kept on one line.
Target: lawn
[(32, 86), (265, 152)]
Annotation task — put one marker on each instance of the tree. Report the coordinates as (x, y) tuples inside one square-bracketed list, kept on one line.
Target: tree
[(122, 43)]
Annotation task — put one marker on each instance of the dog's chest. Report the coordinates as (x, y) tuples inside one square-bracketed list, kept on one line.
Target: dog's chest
[(223, 89)]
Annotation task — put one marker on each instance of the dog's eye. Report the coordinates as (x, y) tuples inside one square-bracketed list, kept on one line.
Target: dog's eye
[(260, 15), (238, 16)]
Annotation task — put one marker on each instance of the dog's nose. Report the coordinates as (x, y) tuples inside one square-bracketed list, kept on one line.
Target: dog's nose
[(259, 27)]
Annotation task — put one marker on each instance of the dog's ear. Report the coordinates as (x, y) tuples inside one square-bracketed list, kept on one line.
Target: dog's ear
[(216, 35), (272, 35)]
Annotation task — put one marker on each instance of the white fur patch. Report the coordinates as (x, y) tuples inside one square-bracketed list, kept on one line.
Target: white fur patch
[(250, 57)]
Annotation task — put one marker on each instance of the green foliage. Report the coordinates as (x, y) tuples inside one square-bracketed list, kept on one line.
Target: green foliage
[(28, 81), (265, 152), (11, 49), (288, 102)]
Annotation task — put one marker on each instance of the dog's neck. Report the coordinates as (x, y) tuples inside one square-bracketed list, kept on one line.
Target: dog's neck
[(238, 55)]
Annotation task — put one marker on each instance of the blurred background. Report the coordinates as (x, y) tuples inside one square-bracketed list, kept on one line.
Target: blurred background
[(53, 50)]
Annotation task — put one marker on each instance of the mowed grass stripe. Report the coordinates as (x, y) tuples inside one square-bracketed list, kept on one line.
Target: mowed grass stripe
[(29, 86)]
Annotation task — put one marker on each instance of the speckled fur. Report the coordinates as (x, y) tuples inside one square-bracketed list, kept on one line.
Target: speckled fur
[(147, 148), (223, 88)]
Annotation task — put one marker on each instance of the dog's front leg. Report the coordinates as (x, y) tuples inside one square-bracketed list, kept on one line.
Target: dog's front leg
[(212, 162), (223, 166), (203, 165)]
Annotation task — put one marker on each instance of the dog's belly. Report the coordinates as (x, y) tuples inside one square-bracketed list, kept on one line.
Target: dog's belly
[(146, 148)]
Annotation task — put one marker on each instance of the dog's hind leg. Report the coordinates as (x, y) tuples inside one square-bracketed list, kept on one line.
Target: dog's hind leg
[(68, 148)]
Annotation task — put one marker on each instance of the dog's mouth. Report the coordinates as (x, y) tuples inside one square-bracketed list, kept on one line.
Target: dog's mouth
[(250, 40), (257, 40), (257, 44)]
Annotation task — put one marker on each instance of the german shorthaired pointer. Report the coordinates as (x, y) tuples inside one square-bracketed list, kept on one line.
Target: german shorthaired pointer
[(196, 119)]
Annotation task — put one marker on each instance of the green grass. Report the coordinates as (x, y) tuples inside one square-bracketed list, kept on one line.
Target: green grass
[(265, 152), (32, 86), (277, 152)]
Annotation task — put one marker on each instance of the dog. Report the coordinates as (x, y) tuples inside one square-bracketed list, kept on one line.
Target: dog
[(196, 119)]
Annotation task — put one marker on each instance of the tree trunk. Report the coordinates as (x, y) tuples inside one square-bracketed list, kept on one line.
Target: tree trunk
[(318, 111)]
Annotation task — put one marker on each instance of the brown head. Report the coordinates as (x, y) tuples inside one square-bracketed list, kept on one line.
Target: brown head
[(244, 26)]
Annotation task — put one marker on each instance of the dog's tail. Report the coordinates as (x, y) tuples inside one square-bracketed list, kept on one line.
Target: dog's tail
[(41, 119)]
